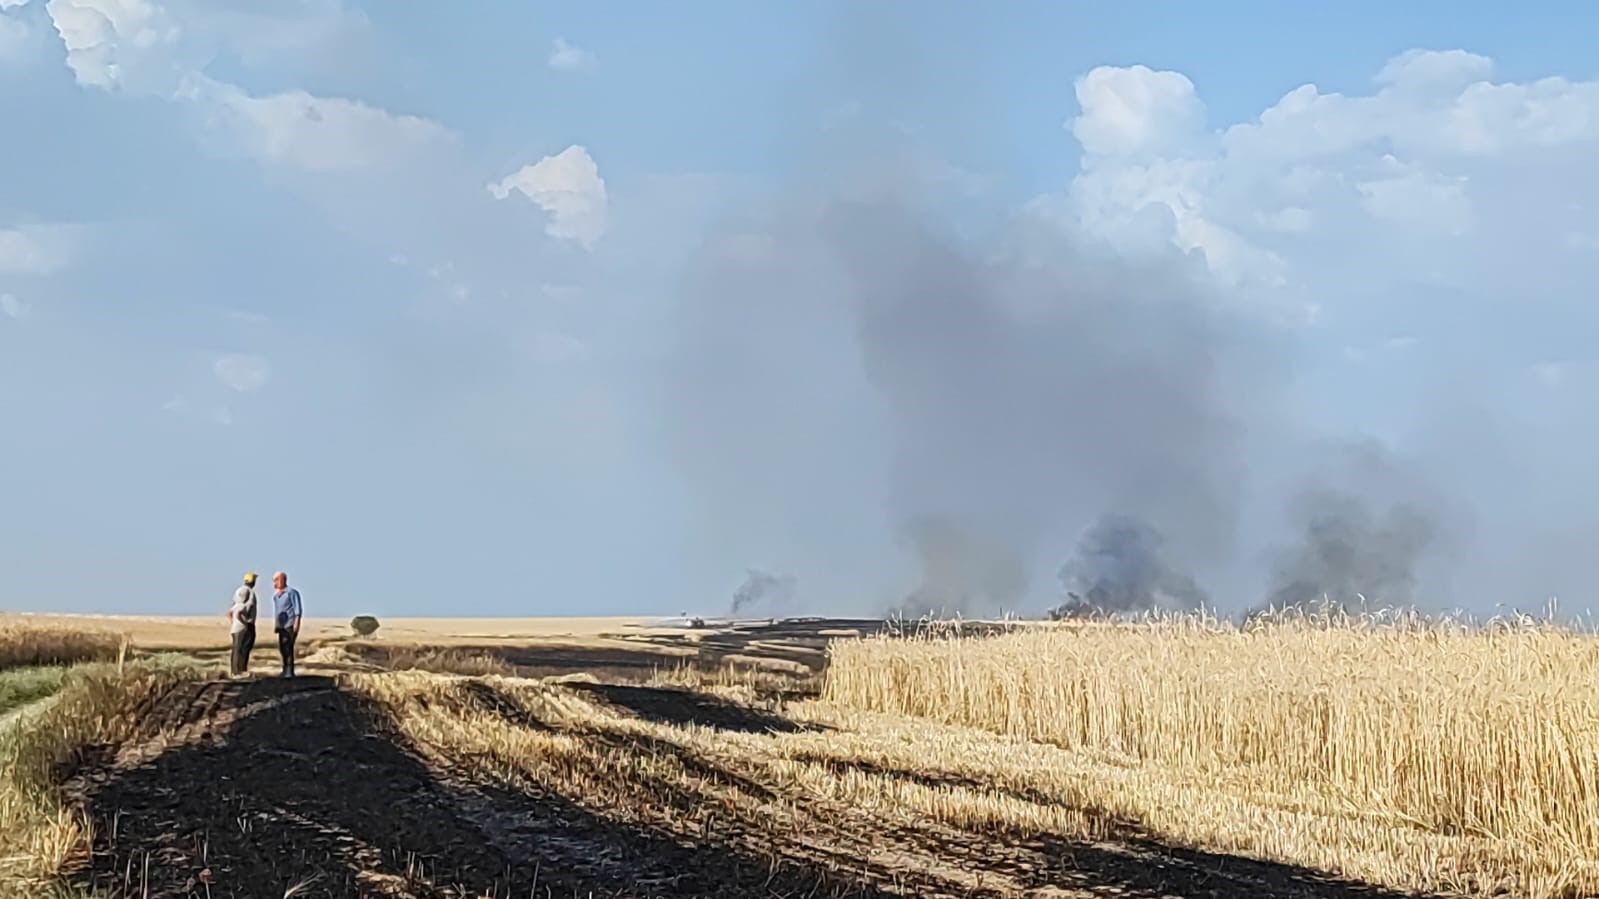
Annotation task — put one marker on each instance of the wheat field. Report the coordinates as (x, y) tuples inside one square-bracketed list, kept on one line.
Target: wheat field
[(1467, 758), (27, 645), (1178, 757)]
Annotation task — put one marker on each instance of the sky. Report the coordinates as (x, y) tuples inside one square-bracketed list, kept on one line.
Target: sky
[(415, 302)]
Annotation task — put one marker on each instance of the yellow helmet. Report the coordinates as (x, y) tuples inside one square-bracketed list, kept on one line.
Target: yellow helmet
[(249, 579)]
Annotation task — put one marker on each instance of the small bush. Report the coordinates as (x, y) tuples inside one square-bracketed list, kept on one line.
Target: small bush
[(364, 625)]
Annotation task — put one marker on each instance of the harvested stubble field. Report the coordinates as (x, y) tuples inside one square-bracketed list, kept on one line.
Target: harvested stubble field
[(1178, 759)]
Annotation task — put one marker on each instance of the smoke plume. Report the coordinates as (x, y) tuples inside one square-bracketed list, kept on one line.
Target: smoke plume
[(865, 366), (1364, 527), (764, 589), (1350, 556), (1119, 568)]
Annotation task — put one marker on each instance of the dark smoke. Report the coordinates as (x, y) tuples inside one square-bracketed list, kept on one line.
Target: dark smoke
[(1119, 568), (871, 369), (765, 589), (1351, 557), (1364, 526), (887, 359)]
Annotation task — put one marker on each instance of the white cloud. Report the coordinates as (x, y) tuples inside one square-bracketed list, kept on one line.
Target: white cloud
[(1131, 111), (223, 416), (314, 134), (175, 404), (1434, 169), (115, 43), (241, 372), (567, 58), (1420, 199), (35, 249), (568, 187), (135, 46), (12, 307), (12, 4)]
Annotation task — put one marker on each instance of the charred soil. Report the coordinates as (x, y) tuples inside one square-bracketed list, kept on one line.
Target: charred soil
[(275, 788)]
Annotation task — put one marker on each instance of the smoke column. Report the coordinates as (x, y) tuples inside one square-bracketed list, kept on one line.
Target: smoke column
[(1119, 567), (764, 588), (916, 399), (1364, 525), (859, 364)]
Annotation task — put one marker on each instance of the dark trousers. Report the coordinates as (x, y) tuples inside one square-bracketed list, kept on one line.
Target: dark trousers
[(243, 644), (286, 649)]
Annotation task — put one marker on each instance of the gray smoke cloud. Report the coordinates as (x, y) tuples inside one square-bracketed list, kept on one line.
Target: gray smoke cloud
[(1119, 567), (890, 383), (1351, 556), (1364, 526), (859, 363), (762, 588)]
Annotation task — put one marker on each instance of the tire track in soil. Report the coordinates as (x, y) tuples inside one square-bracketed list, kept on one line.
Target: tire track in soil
[(249, 788), (252, 788)]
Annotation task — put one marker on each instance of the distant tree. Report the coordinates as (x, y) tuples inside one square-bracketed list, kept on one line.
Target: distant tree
[(364, 625)]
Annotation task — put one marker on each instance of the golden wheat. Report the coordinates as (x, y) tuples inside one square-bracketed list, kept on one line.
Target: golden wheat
[(1487, 733), (864, 776), (98, 705), (29, 645)]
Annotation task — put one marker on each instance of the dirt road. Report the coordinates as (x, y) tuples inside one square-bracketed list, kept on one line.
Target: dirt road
[(272, 788)]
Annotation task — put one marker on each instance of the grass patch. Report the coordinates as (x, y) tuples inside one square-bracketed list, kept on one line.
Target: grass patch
[(96, 705), (20, 686)]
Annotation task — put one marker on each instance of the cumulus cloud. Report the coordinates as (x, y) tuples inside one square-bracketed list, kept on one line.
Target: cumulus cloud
[(568, 58), (1131, 111), (241, 372), (1404, 172), (301, 131), (12, 307), (12, 4), (136, 46), (568, 187), (115, 43)]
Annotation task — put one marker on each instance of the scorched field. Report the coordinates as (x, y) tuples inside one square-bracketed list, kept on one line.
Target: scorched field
[(1180, 758)]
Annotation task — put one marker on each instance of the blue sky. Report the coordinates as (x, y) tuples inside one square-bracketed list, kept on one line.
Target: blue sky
[(384, 294)]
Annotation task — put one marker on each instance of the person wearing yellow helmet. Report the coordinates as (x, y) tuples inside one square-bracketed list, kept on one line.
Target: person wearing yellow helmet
[(241, 618)]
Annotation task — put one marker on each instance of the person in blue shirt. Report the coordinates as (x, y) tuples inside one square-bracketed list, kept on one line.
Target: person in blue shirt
[(286, 614)]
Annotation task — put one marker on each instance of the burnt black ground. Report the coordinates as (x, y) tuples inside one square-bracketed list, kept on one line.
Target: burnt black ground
[(275, 783)]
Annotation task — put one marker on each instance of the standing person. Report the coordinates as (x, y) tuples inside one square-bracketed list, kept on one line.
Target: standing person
[(286, 612), (241, 626)]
